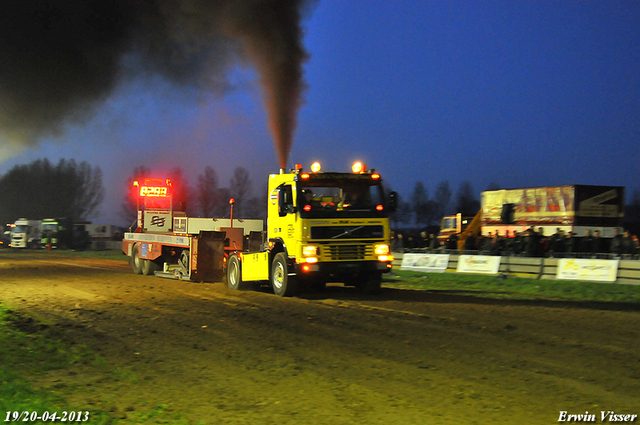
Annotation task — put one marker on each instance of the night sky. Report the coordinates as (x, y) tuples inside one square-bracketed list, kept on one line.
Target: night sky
[(518, 93)]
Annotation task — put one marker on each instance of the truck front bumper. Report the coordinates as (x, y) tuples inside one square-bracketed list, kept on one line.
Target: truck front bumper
[(342, 268)]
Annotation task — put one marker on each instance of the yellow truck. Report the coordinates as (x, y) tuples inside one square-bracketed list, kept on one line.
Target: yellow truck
[(322, 227)]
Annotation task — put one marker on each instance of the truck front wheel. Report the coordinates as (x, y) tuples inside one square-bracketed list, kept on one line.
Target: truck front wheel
[(234, 274), (283, 285)]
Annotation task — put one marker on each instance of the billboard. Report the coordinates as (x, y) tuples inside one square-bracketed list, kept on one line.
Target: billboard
[(555, 205)]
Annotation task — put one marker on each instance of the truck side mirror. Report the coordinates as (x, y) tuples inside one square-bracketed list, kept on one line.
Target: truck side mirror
[(393, 201)]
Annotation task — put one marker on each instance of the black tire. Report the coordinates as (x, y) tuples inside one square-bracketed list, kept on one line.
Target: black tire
[(370, 284), (283, 285), (136, 261), (149, 267), (234, 274)]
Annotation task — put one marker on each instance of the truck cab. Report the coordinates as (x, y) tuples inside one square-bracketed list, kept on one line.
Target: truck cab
[(25, 233), (55, 233), (324, 226)]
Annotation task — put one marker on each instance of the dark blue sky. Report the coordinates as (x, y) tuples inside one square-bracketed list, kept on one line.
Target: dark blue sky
[(520, 93)]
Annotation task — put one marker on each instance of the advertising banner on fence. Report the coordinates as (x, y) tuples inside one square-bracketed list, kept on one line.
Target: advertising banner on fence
[(478, 264), (433, 263), (587, 269)]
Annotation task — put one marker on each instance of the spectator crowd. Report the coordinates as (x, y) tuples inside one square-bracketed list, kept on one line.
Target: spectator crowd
[(529, 243)]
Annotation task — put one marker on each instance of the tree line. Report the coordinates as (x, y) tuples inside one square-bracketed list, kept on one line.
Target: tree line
[(44, 190), (75, 190), (423, 211)]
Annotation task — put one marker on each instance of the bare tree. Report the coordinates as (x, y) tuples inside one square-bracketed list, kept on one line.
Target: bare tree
[(221, 208), (129, 208), (240, 188), (87, 192), (420, 204), (402, 214), (466, 202), (207, 191), (442, 198), (181, 191), (257, 206)]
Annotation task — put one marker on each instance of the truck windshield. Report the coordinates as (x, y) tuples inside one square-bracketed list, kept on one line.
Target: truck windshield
[(340, 199), (49, 227), (21, 229)]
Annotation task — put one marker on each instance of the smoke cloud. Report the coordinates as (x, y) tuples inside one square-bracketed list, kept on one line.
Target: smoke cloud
[(61, 59)]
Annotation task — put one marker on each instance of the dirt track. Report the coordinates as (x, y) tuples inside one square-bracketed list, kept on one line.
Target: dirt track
[(208, 355)]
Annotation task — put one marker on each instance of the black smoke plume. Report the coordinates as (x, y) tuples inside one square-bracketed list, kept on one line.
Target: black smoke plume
[(60, 58)]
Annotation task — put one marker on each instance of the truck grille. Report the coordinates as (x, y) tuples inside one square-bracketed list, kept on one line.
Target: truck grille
[(348, 252), (347, 232)]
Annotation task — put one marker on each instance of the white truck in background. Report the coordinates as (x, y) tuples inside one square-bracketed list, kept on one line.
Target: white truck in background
[(25, 233)]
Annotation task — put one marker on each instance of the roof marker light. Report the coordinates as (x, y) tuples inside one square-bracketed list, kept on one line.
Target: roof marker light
[(315, 167)]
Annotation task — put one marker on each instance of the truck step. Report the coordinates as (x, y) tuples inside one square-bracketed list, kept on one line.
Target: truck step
[(172, 276)]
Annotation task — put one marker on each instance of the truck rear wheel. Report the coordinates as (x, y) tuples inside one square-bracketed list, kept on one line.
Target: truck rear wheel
[(283, 285), (136, 261), (234, 274), (149, 267)]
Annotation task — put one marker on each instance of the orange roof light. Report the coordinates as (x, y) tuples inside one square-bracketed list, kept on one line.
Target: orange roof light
[(315, 167), (358, 167)]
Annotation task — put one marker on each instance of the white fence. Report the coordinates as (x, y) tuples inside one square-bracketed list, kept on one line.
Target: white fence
[(605, 270)]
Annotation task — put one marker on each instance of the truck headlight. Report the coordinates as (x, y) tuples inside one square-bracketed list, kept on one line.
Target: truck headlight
[(309, 251), (381, 249)]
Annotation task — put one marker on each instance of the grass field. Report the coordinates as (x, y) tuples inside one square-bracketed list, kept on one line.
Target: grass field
[(514, 287), (27, 351), (105, 255)]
